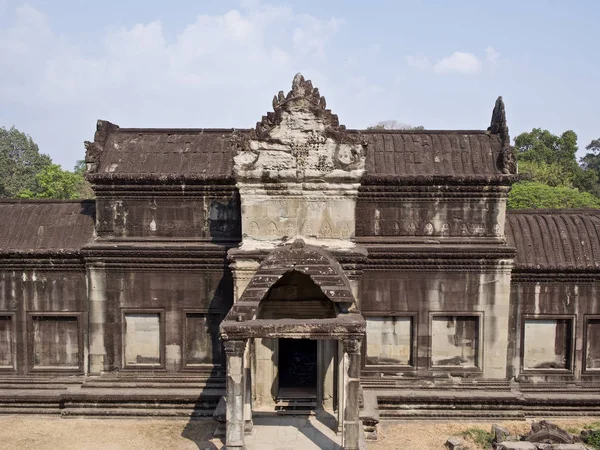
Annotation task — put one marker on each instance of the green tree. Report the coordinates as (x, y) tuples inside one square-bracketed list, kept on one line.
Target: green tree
[(533, 194), (54, 182), (20, 162), (393, 125), (591, 160), (551, 159)]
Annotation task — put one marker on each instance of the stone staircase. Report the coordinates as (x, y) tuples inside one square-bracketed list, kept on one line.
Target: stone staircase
[(296, 402)]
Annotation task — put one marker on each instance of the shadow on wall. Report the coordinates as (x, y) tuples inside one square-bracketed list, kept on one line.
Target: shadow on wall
[(201, 426)]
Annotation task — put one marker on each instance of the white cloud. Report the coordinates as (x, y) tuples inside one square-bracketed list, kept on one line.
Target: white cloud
[(418, 61), (458, 62), (491, 54), (137, 76)]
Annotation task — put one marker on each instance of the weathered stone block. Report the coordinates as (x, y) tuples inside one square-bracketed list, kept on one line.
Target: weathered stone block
[(523, 445), (455, 443)]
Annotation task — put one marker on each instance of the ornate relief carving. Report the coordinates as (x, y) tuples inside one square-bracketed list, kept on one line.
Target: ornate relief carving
[(352, 346), (253, 229), (234, 348), (300, 139), (344, 231), (428, 230), (272, 230), (326, 230), (411, 229), (376, 225), (290, 229), (445, 229)]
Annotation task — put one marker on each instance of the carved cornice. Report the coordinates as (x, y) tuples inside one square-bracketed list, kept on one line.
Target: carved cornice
[(448, 180), (433, 192), (444, 241), (518, 277), (451, 259), (47, 261), (112, 256), (176, 191), (158, 179)]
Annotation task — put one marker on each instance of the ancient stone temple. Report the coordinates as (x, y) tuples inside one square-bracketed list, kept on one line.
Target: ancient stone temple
[(299, 267)]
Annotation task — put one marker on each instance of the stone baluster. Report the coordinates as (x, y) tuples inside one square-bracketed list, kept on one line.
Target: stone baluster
[(234, 351), (352, 425)]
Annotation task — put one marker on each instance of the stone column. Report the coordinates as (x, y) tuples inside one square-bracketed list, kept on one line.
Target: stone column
[(234, 351), (352, 426), (97, 318)]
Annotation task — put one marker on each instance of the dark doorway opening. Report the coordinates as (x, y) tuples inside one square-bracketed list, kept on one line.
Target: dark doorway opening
[(298, 364)]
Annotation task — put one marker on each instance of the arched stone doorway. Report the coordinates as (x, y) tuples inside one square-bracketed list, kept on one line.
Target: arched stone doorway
[(299, 303)]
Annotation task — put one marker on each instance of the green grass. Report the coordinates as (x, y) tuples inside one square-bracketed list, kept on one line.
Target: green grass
[(479, 437), (594, 440)]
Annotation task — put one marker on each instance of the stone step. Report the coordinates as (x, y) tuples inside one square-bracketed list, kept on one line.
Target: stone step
[(142, 411), (296, 403)]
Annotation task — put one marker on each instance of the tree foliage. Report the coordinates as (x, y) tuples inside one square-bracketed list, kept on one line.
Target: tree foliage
[(20, 162), (591, 160), (533, 194), (554, 178), (54, 182), (27, 173), (393, 125)]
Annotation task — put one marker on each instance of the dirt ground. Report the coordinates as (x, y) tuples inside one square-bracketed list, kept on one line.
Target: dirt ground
[(422, 435), (53, 433)]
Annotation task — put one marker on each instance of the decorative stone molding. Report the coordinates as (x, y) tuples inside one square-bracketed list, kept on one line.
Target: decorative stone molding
[(298, 173), (235, 347), (352, 346), (93, 150), (300, 140)]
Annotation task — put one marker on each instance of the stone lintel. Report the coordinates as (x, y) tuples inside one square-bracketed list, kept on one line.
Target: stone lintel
[(350, 326)]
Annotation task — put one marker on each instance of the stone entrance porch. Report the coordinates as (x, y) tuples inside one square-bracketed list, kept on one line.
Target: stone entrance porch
[(298, 293)]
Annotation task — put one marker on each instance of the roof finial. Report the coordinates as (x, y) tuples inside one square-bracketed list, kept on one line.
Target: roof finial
[(498, 124), (507, 161)]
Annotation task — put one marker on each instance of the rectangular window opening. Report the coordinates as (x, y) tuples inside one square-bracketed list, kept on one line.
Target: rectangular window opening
[(547, 344), (203, 343), (455, 341), (55, 342), (142, 339), (592, 351), (6, 343), (389, 341)]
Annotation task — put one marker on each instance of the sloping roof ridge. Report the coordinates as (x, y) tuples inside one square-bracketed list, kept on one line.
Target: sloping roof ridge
[(555, 211), (372, 131), (180, 130)]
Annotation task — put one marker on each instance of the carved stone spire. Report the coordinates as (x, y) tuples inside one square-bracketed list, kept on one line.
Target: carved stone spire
[(498, 124), (303, 96), (507, 161)]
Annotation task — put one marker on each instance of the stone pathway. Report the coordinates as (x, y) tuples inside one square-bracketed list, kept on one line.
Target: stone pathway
[(292, 433)]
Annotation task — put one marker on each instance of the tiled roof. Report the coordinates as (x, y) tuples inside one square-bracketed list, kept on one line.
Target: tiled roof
[(425, 153), (555, 240), (181, 154), (45, 226)]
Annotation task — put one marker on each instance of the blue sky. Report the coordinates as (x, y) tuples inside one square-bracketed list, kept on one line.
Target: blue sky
[(440, 64)]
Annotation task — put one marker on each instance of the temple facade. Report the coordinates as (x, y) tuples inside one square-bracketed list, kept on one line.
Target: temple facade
[(299, 267)]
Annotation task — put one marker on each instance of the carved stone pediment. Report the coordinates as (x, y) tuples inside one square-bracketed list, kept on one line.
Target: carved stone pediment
[(300, 141)]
